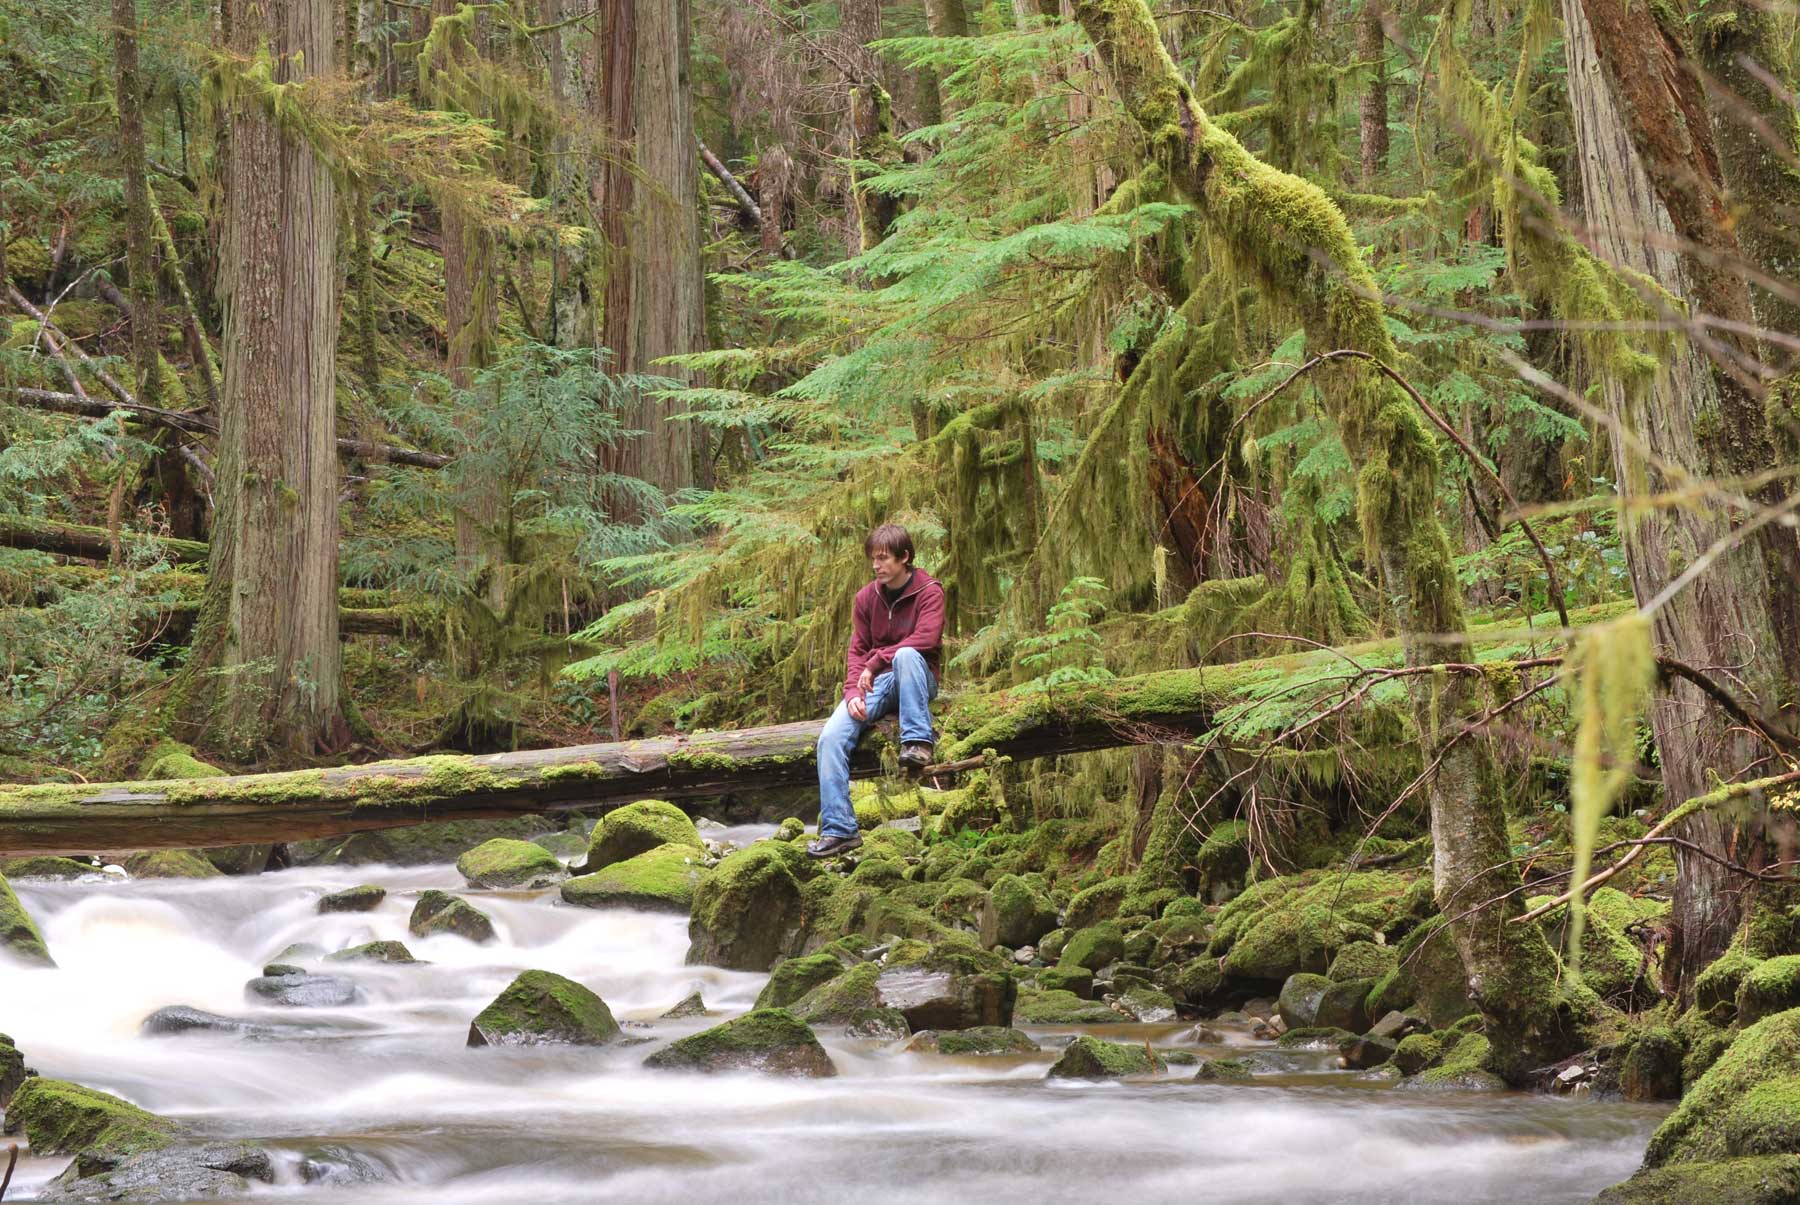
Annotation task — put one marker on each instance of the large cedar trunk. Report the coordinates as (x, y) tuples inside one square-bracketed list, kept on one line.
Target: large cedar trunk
[(1723, 618), (655, 304), (1371, 48), (264, 675), (138, 235)]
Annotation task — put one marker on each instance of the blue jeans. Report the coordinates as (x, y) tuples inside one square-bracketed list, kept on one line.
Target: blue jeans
[(911, 686)]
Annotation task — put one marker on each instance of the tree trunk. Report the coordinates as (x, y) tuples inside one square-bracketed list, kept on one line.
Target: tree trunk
[(1723, 618), (571, 317), (1286, 234), (655, 303), (1371, 48), (139, 238), (943, 19), (264, 674)]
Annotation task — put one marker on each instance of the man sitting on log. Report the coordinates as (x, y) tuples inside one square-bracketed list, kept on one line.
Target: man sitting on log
[(897, 626)]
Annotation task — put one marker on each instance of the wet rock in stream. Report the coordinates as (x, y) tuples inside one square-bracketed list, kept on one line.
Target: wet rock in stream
[(175, 1173), (302, 989), (440, 912), (770, 1040), (365, 897), (179, 1019), (543, 1008), (506, 862)]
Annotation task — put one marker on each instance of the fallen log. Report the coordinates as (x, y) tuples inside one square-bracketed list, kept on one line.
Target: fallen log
[(1021, 724), (91, 543), (200, 424)]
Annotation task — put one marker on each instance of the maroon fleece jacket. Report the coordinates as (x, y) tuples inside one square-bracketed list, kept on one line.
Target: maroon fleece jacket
[(878, 631)]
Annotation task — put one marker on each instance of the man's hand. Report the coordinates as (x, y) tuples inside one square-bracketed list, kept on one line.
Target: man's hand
[(859, 710), (865, 681)]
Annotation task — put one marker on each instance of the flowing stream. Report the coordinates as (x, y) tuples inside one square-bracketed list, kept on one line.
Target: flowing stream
[(387, 1089)]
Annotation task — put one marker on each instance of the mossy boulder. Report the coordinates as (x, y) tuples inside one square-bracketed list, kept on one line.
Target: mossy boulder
[(1362, 960), (365, 897), (60, 1118), (1088, 1057), (792, 978), (1428, 978), (1769, 1180), (1038, 1007), (1730, 1111), (168, 759), (1179, 939), (1612, 964), (983, 1039), (1418, 1051), (791, 829), (663, 879), (12, 1070), (1192, 982), (1315, 1000), (506, 862), (1223, 861), (540, 1008), (1050, 946), (1223, 1071), (1146, 1004), (47, 868), (1097, 903), (879, 872), (769, 1040), (374, 951), (414, 844), (638, 828), (890, 842), (1281, 927), (1016, 913), (169, 864), (19, 935), (1651, 1066), (1079, 980), (751, 909), (1464, 1067), (440, 912), (180, 1172), (1770, 987), (1716, 988), (1094, 947)]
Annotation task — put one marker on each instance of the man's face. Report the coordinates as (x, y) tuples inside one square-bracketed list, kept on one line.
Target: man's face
[(889, 569)]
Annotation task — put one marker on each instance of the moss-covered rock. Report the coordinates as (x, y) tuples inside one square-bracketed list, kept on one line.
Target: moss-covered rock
[(365, 897), (1016, 913), (1146, 1004), (169, 864), (1418, 1051), (60, 1118), (12, 1070), (19, 935), (181, 1172), (879, 872), (1223, 1071), (1192, 982), (790, 829), (1612, 964), (1088, 1057), (1769, 1180), (1315, 1037), (1284, 926), (1075, 979), (983, 1039), (663, 879), (1097, 903), (770, 1040), (414, 844), (1464, 1067), (1038, 1007), (374, 951), (890, 842), (1760, 1071), (542, 1008), (47, 868), (793, 978), (750, 910), (1094, 947), (638, 828), (1716, 988), (1362, 960), (1223, 861), (239, 859), (505, 862), (168, 759), (1650, 1068), (1770, 987), (1050, 946), (440, 912), (1703, 1043), (1428, 978)]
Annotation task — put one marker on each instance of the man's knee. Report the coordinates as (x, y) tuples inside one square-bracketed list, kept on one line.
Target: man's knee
[(908, 659)]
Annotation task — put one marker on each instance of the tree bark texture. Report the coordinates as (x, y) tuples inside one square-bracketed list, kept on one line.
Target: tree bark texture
[(139, 237), (649, 219), (1723, 618), (265, 672), (1371, 48), (1287, 236)]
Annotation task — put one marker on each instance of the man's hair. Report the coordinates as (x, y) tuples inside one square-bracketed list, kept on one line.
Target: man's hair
[(892, 539)]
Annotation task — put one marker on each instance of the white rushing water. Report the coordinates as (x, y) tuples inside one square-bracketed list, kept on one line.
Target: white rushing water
[(390, 1083)]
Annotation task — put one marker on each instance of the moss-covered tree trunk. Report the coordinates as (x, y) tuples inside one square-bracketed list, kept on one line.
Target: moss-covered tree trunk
[(648, 204), (1650, 185), (1284, 234), (1371, 49), (139, 238), (264, 674)]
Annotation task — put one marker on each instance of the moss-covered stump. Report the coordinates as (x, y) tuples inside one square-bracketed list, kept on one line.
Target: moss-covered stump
[(1281, 927), (440, 912), (169, 864), (793, 978), (506, 862), (984, 1039), (1769, 1180), (365, 897), (638, 828), (1770, 987), (1036, 1007), (663, 879), (374, 951), (19, 934), (770, 1040), (1088, 1057), (1747, 1104), (540, 1008), (1095, 947), (750, 910), (63, 869), (60, 1118)]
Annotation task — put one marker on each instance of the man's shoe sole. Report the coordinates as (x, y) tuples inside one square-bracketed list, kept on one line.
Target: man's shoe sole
[(846, 847)]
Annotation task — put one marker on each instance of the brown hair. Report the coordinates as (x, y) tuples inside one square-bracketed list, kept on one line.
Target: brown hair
[(891, 538)]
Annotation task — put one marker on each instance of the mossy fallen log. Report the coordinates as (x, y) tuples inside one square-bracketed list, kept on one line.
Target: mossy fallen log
[(92, 543), (301, 804)]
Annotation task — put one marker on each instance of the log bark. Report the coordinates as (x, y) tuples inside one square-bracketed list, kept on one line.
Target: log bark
[(201, 424), (91, 543), (1286, 234)]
